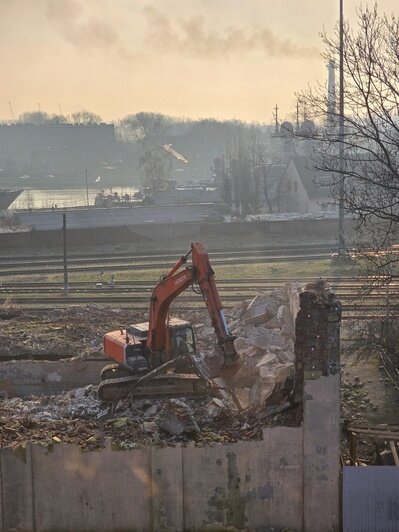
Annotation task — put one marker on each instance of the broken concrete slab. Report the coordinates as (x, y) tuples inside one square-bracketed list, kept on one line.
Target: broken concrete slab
[(260, 314), (269, 381), (277, 373), (285, 322), (176, 418), (267, 360), (217, 409), (244, 348)]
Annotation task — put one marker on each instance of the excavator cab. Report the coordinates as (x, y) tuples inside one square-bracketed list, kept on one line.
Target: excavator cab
[(182, 339), (128, 346)]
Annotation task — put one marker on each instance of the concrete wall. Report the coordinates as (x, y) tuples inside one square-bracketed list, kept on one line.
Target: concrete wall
[(290, 479), (321, 479), (40, 377), (99, 218), (245, 485)]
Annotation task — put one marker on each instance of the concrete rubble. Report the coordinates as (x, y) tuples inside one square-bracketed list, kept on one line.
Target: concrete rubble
[(79, 417), (264, 332), (264, 328), (176, 418)]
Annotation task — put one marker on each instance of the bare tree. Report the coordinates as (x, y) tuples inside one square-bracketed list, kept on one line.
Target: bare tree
[(34, 118), (368, 181), (146, 125), (246, 156), (148, 130), (85, 118), (371, 131), (222, 178), (39, 118)]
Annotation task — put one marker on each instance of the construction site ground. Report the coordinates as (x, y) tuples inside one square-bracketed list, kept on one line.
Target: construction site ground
[(78, 417)]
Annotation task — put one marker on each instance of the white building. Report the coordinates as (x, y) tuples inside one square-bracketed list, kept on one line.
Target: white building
[(305, 189)]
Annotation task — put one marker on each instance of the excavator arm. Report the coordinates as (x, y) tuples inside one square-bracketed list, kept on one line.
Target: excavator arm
[(173, 284), (164, 293), (205, 278)]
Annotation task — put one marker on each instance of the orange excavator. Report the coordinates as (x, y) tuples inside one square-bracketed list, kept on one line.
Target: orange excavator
[(157, 358)]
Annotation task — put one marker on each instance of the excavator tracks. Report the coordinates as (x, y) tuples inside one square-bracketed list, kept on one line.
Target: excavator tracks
[(167, 385)]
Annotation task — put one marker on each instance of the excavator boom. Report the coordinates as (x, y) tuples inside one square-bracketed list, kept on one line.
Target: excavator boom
[(205, 277), (177, 281)]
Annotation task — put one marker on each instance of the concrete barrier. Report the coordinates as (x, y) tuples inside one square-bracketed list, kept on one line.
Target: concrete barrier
[(247, 485), (25, 377)]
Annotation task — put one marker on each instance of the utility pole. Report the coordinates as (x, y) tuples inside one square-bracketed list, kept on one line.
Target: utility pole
[(65, 254), (11, 111), (87, 189), (276, 120), (341, 235), (297, 114)]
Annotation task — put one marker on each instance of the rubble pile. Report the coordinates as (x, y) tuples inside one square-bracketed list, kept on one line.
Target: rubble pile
[(78, 417), (80, 403), (356, 407), (264, 341), (264, 330)]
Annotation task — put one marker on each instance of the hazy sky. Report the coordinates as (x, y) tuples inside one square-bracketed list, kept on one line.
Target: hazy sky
[(196, 58)]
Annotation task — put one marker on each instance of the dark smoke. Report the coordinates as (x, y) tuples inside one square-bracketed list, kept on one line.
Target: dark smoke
[(190, 36), (67, 16)]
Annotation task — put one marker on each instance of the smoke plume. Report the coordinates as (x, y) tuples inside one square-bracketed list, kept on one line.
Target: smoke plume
[(190, 36), (68, 17)]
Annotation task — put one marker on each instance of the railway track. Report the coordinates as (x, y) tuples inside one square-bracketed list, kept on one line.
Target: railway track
[(35, 268), (132, 293), (343, 284), (135, 292), (14, 266), (171, 254), (353, 307)]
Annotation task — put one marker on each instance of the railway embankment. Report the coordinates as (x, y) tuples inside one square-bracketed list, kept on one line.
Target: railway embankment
[(168, 231)]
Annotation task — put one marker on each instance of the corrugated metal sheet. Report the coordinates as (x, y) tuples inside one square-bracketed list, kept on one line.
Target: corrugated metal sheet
[(118, 217), (371, 499)]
